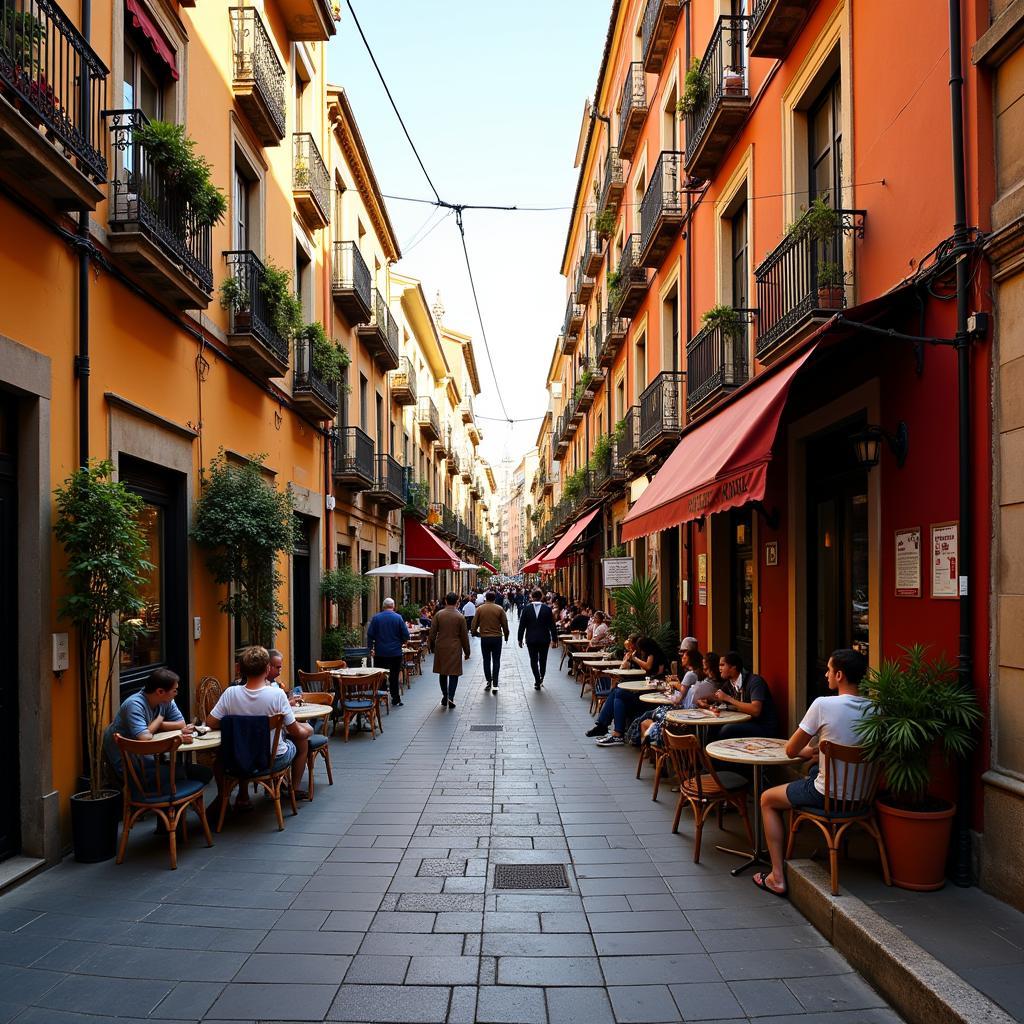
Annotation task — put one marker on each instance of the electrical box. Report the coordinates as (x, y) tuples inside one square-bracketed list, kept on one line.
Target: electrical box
[(197, 627), (60, 652)]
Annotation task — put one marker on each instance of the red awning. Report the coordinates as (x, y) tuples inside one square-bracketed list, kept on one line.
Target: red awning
[(720, 464), (143, 22), (556, 558), (484, 564), (425, 550), (533, 565)]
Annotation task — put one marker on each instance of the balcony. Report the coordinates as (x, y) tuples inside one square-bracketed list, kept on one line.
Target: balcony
[(452, 462), (417, 495), (717, 362), (350, 283), (613, 184), (609, 334), (659, 25), (403, 383), (574, 413), (475, 490), (628, 439), (354, 466), (662, 411), (311, 20), (627, 285), (466, 471), (260, 82), (314, 396), (611, 474), (561, 441), (311, 184), (51, 133), (661, 211), (474, 433), (584, 284), (713, 122), (428, 419), (593, 253), (572, 326), (252, 334), (380, 333), (466, 409), (632, 110), (805, 280), (388, 488), (154, 230), (774, 24)]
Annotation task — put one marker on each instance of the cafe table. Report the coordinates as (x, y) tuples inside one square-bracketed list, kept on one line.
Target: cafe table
[(759, 752), (626, 673), (657, 698), (703, 718), (638, 685)]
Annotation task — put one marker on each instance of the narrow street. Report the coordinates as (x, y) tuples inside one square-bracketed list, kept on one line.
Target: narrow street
[(378, 902)]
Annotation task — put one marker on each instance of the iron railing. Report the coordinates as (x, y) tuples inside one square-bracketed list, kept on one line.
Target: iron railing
[(308, 380), (724, 71), (573, 320), (349, 272), (353, 454), (385, 323), (652, 11), (250, 313), (416, 494), (584, 282), (44, 61), (609, 333), (631, 278), (717, 359), (309, 172), (633, 100), (628, 440), (404, 379), (661, 406), (427, 415), (256, 60), (612, 181), (390, 477), (802, 274), (593, 252), (143, 196), (664, 197)]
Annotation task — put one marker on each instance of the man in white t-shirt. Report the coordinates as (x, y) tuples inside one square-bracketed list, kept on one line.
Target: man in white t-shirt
[(828, 718), (257, 697)]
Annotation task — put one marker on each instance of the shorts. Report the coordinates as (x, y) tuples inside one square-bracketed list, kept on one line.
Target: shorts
[(283, 760), (803, 792)]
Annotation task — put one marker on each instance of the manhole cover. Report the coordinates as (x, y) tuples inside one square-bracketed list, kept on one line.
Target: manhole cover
[(486, 728), (530, 876)]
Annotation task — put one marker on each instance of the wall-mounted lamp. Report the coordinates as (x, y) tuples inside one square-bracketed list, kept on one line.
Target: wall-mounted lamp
[(867, 444)]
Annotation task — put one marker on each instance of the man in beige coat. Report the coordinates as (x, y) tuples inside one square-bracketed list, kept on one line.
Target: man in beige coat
[(448, 642), (491, 624)]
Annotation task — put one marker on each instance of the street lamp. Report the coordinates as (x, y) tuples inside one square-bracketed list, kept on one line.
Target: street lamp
[(867, 444)]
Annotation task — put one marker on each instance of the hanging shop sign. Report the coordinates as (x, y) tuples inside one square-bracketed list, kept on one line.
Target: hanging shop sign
[(908, 562), (618, 572), (945, 555), (702, 580)]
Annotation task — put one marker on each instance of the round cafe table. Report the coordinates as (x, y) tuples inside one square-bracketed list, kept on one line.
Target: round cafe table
[(703, 718), (759, 752), (658, 698), (638, 685), (626, 673), (309, 712)]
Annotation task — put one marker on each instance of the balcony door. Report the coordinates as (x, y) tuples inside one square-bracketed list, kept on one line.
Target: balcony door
[(825, 146), (302, 609)]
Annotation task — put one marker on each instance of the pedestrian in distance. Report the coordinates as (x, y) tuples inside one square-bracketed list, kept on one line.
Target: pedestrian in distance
[(537, 627), (491, 624), (448, 642)]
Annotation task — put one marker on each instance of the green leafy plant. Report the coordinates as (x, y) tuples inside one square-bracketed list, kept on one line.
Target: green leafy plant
[(328, 357), (336, 640), (97, 523), (604, 223), (23, 33), (246, 524), (615, 279), (830, 274), (618, 551), (636, 611), (725, 319), (573, 486), (343, 585), (819, 223), (233, 295), (696, 87), (409, 612), (417, 497), (283, 307), (602, 451), (535, 516), (187, 174), (620, 430), (917, 705)]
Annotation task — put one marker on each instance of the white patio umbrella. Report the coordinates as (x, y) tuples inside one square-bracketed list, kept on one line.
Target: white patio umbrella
[(398, 571)]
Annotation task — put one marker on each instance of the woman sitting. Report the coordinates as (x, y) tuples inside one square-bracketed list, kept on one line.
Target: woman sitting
[(682, 693), (621, 707)]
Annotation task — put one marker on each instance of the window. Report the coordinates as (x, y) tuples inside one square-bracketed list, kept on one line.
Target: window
[(240, 201), (740, 257), (303, 281), (300, 101), (640, 367), (364, 411), (146, 648), (145, 78), (670, 330), (379, 410), (620, 399), (825, 146)]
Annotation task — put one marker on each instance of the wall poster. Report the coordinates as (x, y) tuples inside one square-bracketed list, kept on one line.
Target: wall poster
[(945, 555), (908, 562)]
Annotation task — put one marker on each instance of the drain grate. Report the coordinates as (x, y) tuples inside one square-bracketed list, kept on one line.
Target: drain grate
[(486, 728), (530, 876)]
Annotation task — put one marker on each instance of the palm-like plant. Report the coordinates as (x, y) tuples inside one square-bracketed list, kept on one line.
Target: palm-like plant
[(636, 611), (916, 704)]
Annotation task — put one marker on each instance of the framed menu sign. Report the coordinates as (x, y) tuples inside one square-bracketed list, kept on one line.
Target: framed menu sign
[(908, 562), (945, 556)]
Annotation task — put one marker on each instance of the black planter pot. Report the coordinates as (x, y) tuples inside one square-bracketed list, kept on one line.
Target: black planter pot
[(94, 825)]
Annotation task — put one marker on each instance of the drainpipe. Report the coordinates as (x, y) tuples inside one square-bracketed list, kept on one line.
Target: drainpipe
[(82, 358), (689, 320), (962, 848)]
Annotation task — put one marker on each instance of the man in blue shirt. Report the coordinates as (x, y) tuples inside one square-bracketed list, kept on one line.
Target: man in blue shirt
[(385, 635)]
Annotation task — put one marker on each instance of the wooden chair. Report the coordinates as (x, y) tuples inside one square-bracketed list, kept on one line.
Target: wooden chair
[(360, 697), (702, 787), (326, 666), (318, 746), (207, 694), (316, 682), (410, 664), (602, 686), (659, 756), (850, 787), (269, 781), (151, 786)]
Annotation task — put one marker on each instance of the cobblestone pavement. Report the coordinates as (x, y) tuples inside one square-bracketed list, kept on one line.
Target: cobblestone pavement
[(377, 903)]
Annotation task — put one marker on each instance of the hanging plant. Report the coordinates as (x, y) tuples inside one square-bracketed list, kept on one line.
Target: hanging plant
[(284, 310), (574, 484), (696, 87), (726, 320), (819, 223), (328, 358), (602, 451), (620, 430)]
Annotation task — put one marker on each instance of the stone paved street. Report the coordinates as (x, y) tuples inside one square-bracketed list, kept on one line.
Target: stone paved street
[(377, 903)]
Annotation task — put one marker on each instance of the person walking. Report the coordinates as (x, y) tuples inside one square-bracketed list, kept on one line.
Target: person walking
[(448, 642), (537, 626), (386, 634), (469, 610), (491, 624)]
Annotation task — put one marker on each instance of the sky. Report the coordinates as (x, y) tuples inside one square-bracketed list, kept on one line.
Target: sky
[(493, 96)]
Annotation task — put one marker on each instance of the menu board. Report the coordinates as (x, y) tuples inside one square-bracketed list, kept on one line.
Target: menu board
[(908, 562), (618, 572), (945, 556)]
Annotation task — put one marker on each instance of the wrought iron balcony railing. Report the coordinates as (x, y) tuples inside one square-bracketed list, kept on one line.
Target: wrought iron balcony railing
[(632, 110), (351, 282), (380, 333), (311, 183), (774, 24), (309, 384), (717, 360), (584, 290), (403, 382), (417, 495), (44, 61), (593, 253), (573, 321), (661, 210), (807, 274), (249, 313), (628, 283), (662, 411), (660, 18), (260, 81), (428, 419), (388, 488), (612, 183), (353, 458), (628, 439), (609, 334)]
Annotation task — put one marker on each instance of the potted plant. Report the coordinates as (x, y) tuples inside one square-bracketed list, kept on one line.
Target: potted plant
[(637, 611), (732, 81), (604, 223), (327, 357), (234, 297), (283, 308), (602, 451), (831, 290), (819, 222), (338, 639), (695, 90), (340, 587), (728, 321), (97, 524), (917, 706)]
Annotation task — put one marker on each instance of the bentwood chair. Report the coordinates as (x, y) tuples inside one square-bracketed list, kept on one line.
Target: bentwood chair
[(658, 755), (850, 787), (360, 698), (150, 786), (702, 787), (326, 666), (318, 746), (207, 694), (316, 682)]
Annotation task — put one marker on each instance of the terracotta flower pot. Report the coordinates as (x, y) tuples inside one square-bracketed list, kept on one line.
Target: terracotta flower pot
[(916, 843), (831, 297)]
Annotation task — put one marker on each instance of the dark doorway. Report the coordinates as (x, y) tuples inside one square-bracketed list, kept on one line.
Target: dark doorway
[(164, 640), (838, 600), (364, 601), (671, 598), (10, 807), (302, 621), (741, 589)]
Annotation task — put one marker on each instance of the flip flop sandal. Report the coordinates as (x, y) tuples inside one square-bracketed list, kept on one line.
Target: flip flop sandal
[(760, 881)]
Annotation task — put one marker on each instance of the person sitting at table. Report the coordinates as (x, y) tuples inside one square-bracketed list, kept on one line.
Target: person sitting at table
[(598, 632), (622, 706), (579, 620), (711, 671), (747, 693), (695, 686), (255, 697), (834, 718)]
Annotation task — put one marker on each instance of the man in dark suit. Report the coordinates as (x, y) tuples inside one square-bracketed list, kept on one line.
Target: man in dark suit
[(537, 625)]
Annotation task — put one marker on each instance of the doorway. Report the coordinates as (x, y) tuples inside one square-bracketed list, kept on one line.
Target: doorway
[(838, 553), (10, 805), (741, 589), (302, 621)]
